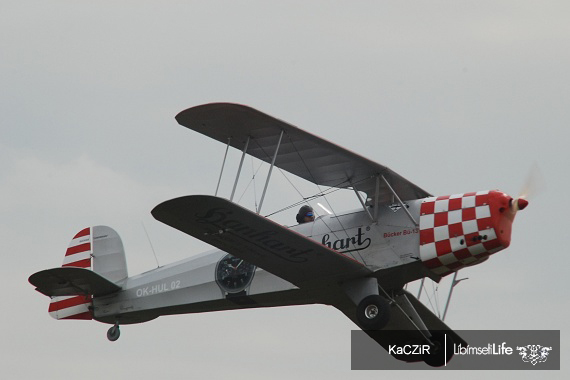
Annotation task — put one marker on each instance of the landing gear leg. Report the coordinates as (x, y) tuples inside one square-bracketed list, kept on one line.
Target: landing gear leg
[(114, 332)]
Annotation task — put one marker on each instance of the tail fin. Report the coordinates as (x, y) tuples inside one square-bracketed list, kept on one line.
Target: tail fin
[(99, 249)]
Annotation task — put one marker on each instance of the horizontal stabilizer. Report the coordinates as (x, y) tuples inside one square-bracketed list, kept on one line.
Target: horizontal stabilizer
[(69, 281), (258, 240)]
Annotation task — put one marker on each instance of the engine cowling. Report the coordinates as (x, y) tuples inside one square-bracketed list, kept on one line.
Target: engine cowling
[(465, 229)]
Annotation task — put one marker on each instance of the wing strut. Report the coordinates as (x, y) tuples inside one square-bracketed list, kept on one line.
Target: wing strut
[(376, 195), (239, 169), (362, 203), (223, 165), (270, 170), (400, 201), (453, 283), (421, 288)]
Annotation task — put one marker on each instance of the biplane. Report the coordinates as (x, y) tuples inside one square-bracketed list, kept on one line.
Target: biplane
[(357, 261)]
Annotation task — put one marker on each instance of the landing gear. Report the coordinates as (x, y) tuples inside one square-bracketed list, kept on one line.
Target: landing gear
[(373, 312), (114, 333), (441, 349)]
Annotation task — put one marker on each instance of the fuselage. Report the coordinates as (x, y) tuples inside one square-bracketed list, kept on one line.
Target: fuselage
[(438, 236)]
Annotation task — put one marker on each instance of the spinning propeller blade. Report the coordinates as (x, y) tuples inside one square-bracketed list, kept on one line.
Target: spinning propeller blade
[(533, 185)]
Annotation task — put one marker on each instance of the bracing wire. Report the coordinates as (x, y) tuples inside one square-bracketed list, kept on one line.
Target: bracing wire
[(330, 190), (150, 242), (429, 300), (252, 180), (436, 298)]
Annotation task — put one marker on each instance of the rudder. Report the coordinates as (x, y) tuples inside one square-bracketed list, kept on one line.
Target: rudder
[(99, 249)]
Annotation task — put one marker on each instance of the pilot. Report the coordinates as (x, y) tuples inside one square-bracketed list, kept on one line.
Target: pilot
[(305, 215)]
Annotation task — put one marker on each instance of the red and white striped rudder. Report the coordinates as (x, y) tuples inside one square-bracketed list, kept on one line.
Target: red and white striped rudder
[(78, 254), (99, 249)]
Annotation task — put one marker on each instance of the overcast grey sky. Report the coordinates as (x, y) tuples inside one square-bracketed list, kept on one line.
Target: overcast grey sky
[(455, 96)]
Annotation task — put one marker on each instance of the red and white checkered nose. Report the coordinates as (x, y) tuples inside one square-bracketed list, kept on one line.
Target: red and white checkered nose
[(464, 229)]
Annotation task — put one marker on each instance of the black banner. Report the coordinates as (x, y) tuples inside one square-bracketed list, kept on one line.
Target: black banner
[(485, 350)]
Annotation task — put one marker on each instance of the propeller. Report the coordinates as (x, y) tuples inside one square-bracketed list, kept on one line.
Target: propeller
[(533, 185)]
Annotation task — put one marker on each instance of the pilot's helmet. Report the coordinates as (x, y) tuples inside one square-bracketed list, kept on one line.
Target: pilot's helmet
[(303, 212)]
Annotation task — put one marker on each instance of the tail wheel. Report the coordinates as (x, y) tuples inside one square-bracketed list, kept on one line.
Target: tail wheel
[(373, 312), (113, 333), (441, 350)]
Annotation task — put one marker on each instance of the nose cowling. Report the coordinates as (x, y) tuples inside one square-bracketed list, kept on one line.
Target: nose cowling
[(503, 210), (465, 229)]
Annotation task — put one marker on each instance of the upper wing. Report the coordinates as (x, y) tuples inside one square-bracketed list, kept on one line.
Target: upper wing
[(69, 281), (300, 153), (258, 240)]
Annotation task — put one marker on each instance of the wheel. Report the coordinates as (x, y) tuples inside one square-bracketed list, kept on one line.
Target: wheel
[(441, 351), (373, 312), (113, 333)]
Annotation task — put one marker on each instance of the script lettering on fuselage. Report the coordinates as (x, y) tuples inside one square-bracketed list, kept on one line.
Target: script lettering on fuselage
[(265, 239), (348, 244)]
